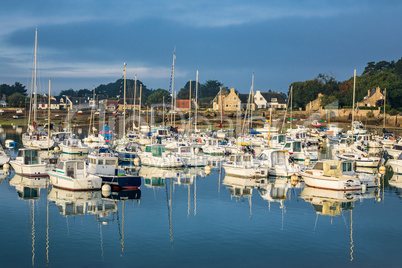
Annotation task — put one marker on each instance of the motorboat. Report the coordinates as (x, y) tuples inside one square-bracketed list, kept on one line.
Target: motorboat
[(213, 147), (72, 175), (190, 157), (396, 164), (242, 165), (155, 155), (4, 158), (28, 163), (277, 162), (104, 163), (327, 174), (74, 146), (298, 152), (361, 159)]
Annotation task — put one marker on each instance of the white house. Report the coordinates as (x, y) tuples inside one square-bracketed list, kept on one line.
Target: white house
[(269, 99)]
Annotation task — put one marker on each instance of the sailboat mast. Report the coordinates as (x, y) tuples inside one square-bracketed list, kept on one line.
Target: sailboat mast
[(385, 98), (189, 112), (196, 100), (135, 94), (291, 106), (124, 103), (139, 110), (220, 90), (354, 93), (48, 123), (172, 102), (34, 69), (252, 101)]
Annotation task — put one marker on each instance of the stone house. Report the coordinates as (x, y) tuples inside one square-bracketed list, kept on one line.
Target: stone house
[(269, 99), (231, 101), (314, 105), (372, 97), (129, 104)]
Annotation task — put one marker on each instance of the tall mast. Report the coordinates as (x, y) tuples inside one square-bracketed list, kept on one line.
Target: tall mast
[(385, 98), (196, 100), (172, 102), (34, 70), (252, 101), (220, 90), (354, 93), (48, 123), (124, 103), (189, 112), (139, 110), (135, 94), (291, 106)]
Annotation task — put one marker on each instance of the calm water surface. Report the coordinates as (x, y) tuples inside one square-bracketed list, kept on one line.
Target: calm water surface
[(186, 218)]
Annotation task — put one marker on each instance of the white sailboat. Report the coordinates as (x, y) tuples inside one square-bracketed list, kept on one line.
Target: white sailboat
[(35, 138)]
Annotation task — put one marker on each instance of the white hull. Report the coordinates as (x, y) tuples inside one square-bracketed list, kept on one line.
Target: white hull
[(164, 161), (89, 183), (248, 172), (37, 144), (37, 170), (345, 183)]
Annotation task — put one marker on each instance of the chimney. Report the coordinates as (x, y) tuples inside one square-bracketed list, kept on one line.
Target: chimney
[(368, 93), (232, 90)]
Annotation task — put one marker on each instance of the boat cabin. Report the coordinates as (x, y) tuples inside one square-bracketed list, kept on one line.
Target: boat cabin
[(72, 168), (161, 133), (293, 146), (238, 159), (155, 149), (279, 139), (29, 156), (104, 163)]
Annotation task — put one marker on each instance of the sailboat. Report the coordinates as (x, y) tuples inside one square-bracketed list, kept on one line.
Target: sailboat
[(35, 137)]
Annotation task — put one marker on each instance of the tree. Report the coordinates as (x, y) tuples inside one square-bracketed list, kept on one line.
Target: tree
[(157, 97), (9, 90), (210, 88), (398, 67), (16, 100), (184, 92)]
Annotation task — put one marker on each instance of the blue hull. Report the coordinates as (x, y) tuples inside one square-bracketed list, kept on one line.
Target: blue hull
[(122, 182)]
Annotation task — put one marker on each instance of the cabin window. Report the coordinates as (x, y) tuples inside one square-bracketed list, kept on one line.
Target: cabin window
[(80, 165), (31, 157), (70, 169), (61, 166), (333, 166), (287, 145), (100, 162), (296, 147), (110, 162), (263, 157)]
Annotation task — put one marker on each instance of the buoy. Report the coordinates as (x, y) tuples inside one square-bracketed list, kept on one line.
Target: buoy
[(382, 170), (364, 187), (106, 190), (6, 167), (307, 161), (207, 169), (294, 179), (196, 150), (56, 149), (137, 161)]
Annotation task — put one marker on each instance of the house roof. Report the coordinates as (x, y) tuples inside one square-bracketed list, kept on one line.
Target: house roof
[(244, 98), (270, 95), (112, 102)]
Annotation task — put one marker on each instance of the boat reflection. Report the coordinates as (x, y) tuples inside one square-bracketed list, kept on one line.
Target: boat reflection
[(29, 188), (329, 202), (396, 181), (156, 177), (73, 203), (332, 203)]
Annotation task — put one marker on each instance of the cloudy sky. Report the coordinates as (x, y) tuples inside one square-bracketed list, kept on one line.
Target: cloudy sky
[(84, 43)]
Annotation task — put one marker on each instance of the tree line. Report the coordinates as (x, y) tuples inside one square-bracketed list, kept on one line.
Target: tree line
[(381, 74)]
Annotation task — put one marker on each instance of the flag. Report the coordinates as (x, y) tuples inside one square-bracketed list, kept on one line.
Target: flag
[(220, 126)]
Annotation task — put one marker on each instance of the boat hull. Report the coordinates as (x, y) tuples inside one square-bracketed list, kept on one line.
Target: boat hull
[(89, 183), (323, 182), (37, 170), (122, 182)]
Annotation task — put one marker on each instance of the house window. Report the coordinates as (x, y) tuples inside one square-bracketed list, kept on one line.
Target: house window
[(260, 98), (274, 100), (227, 105), (234, 98)]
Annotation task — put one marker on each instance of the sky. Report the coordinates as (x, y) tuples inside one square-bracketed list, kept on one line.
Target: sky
[(85, 43)]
